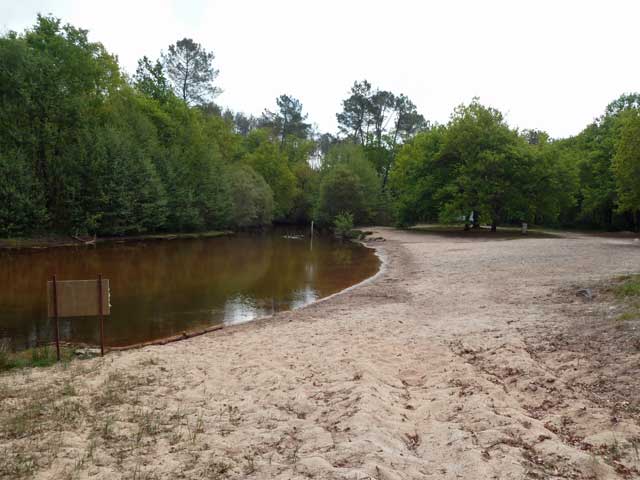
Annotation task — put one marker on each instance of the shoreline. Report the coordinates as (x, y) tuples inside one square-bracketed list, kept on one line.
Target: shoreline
[(66, 241), (264, 318), (188, 334)]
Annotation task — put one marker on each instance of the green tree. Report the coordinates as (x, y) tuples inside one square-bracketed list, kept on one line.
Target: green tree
[(150, 79), (380, 121), (252, 199), (130, 198), (348, 184), (53, 82), (341, 191), (22, 209), (353, 121), (419, 177), (265, 157), (474, 164), (288, 121), (594, 149), (626, 165), (190, 69)]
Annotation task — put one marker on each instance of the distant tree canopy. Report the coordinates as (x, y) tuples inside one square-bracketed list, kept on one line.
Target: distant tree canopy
[(87, 149)]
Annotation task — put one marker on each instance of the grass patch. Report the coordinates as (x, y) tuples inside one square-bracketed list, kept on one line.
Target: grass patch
[(33, 357), (627, 291), (629, 288)]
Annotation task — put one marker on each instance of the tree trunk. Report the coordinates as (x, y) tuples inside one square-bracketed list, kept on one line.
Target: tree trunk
[(494, 226), (476, 219)]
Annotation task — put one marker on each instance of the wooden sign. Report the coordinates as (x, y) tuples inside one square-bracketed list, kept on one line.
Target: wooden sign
[(78, 298)]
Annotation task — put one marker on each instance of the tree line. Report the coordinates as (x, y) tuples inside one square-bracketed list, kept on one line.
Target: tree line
[(476, 168), (87, 149)]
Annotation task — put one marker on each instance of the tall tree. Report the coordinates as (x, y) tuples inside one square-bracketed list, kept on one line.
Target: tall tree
[(380, 121), (190, 69), (244, 124), (53, 82), (289, 120), (353, 121)]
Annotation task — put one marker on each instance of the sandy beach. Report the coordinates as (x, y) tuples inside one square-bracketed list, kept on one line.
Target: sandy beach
[(464, 358)]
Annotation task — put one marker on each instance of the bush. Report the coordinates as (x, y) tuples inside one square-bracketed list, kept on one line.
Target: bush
[(349, 183), (343, 225)]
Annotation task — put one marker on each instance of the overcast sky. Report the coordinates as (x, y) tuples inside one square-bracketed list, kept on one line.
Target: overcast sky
[(552, 65)]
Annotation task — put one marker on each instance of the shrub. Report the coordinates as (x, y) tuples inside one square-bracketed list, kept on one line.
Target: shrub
[(343, 225)]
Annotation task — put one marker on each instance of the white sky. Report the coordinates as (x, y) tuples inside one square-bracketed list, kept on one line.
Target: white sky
[(552, 65)]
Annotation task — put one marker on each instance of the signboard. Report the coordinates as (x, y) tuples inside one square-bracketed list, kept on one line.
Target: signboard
[(78, 298)]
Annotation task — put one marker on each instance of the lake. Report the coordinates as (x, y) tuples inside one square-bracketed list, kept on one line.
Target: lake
[(162, 288)]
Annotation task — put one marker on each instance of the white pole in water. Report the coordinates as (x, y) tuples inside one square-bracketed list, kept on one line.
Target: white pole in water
[(312, 228)]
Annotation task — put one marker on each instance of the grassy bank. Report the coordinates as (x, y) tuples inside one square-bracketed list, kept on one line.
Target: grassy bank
[(33, 357), (51, 241)]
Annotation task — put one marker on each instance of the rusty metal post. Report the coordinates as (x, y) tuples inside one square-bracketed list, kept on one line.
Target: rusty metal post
[(55, 315), (101, 317)]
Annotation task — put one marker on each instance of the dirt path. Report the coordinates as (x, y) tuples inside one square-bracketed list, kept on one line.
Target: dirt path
[(458, 361)]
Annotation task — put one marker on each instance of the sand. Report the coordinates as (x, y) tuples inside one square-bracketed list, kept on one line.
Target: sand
[(462, 359)]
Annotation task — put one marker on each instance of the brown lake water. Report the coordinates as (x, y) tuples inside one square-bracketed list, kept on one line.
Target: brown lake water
[(161, 288)]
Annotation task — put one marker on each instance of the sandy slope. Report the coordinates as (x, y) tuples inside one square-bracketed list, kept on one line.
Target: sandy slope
[(438, 368)]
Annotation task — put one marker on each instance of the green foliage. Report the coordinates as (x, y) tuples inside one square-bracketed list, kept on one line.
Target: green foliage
[(266, 158), (626, 163), (21, 198), (490, 168), (593, 151), (348, 183), (288, 121), (150, 79), (307, 187), (252, 199), (419, 177), (343, 225), (84, 151), (341, 190), (478, 164), (380, 121)]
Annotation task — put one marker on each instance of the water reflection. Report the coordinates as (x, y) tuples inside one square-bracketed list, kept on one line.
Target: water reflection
[(164, 288)]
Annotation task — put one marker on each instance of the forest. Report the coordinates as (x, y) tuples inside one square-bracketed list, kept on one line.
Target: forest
[(86, 148)]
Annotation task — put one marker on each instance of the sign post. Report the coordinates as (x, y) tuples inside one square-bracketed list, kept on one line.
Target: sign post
[(55, 314), (101, 318), (78, 298)]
